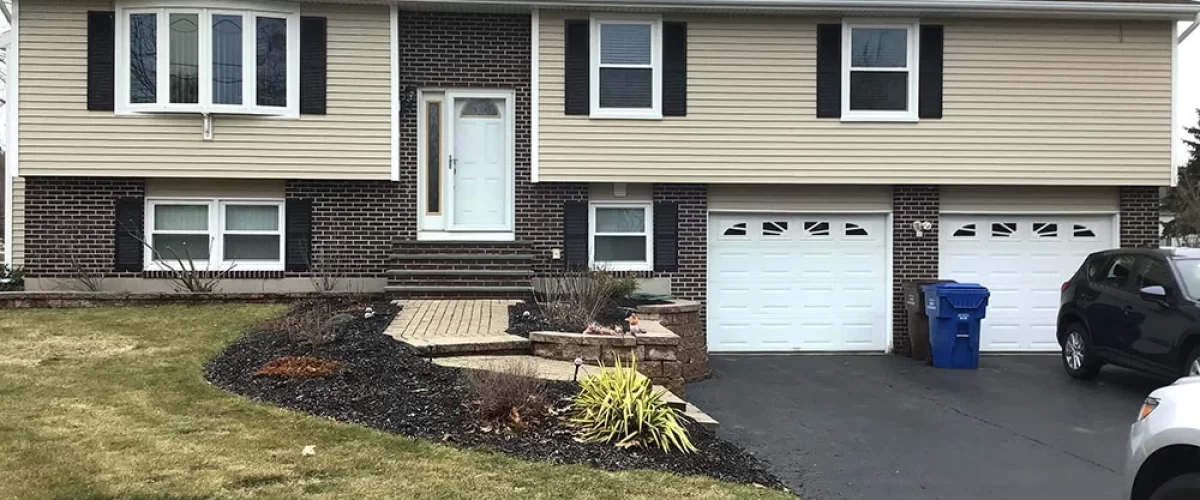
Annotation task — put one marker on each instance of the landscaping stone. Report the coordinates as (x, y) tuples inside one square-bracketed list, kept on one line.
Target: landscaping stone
[(682, 318)]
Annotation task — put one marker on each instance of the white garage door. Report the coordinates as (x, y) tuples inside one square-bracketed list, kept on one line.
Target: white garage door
[(797, 282), (1023, 260)]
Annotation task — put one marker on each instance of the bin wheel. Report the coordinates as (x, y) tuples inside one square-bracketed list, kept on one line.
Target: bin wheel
[(1078, 355)]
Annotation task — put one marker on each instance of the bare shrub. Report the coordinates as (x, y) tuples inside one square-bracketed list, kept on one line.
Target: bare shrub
[(299, 368), (183, 272), (311, 322), (576, 298), (323, 276), (510, 393), (80, 276)]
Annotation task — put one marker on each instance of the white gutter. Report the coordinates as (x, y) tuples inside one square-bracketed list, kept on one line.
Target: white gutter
[(1183, 36), (1142, 10)]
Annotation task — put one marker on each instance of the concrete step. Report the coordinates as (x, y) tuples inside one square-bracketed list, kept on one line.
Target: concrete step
[(701, 418), (475, 346), (458, 291), (671, 399), (521, 273), (460, 256)]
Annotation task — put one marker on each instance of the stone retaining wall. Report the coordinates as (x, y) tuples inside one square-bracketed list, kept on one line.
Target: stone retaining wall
[(682, 317), (655, 350)]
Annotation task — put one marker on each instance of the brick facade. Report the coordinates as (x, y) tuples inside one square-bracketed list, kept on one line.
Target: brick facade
[(915, 257), (1139, 209), (70, 225), (353, 224)]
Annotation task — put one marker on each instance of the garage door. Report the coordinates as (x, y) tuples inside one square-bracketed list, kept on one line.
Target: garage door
[(1023, 260), (797, 282)]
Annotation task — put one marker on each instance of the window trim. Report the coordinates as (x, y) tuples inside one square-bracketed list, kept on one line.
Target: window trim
[(654, 112), (249, 11), (216, 234), (647, 231), (913, 28)]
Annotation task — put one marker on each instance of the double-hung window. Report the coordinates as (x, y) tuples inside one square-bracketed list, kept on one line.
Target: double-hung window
[(215, 234), (621, 237), (196, 60), (879, 73), (626, 71)]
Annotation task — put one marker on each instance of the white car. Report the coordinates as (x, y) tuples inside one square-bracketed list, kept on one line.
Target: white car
[(1164, 445)]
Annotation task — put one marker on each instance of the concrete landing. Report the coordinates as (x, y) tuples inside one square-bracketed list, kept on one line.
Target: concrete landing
[(450, 327)]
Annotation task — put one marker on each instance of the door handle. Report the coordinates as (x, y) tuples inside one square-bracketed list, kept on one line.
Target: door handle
[(452, 162), (1127, 309)]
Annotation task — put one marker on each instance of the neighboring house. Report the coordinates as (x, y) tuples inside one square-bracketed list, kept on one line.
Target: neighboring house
[(789, 163)]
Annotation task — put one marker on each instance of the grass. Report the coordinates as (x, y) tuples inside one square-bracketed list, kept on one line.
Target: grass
[(101, 404)]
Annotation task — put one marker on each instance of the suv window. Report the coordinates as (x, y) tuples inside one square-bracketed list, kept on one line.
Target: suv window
[(1116, 272), (1151, 272)]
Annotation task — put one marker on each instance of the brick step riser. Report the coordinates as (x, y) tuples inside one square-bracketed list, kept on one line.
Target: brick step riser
[(459, 282)]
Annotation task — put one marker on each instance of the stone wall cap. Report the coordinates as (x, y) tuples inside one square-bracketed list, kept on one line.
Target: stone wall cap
[(674, 306), (653, 333), (582, 339)]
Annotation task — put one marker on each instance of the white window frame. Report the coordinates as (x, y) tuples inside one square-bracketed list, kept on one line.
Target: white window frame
[(654, 112), (216, 235), (914, 33), (250, 13), (647, 231)]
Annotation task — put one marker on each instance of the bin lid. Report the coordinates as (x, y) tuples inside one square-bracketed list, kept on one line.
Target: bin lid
[(960, 286)]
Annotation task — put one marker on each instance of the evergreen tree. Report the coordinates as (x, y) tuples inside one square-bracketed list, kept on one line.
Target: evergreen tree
[(1183, 200)]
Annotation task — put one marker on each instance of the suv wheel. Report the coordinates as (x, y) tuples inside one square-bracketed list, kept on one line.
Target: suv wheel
[(1185, 487), (1192, 367), (1078, 356)]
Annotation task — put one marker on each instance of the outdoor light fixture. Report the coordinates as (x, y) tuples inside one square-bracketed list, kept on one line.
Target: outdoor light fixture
[(578, 363), (920, 226)]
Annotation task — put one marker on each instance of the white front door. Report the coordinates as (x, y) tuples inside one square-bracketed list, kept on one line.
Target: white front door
[(480, 173), (1023, 260), (786, 282)]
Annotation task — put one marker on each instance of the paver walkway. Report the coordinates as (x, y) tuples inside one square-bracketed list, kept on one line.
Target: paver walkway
[(455, 326)]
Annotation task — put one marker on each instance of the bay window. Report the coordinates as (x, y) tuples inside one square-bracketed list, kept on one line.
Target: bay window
[(215, 233), (621, 237), (191, 60)]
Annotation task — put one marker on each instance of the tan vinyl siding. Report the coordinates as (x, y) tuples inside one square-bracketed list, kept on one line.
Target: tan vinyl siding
[(797, 198), (18, 214), (607, 192), (58, 136), (1028, 199), (1046, 102)]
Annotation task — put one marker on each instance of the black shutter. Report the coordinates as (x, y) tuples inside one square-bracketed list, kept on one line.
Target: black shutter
[(298, 234), (674, 99), (130, 215), (578, 69), (312, 65), (829, 70), (575, 235), (929, 94), (666, 237), (100, 64)]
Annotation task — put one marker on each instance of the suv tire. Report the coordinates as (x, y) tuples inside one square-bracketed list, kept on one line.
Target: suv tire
[(1184, 487), (1078, 355), (1191, 365)]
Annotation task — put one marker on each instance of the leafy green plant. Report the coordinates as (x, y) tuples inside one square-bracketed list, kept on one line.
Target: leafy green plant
[(12, 278), (623, 287), (620, 406)]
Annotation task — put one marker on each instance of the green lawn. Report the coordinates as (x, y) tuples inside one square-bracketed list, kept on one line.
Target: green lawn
[(110, 404)]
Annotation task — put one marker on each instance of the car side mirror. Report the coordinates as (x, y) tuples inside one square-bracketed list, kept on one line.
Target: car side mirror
[(1154, 293)]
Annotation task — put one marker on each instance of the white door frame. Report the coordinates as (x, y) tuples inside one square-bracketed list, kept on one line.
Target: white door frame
[(889, 269), (443, 228)]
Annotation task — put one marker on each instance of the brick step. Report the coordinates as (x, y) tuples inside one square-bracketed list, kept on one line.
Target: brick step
[(458, 291), (488, 273), (454, 257)]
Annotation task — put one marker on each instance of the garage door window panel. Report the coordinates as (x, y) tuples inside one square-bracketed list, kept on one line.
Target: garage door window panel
[(621, 237), (965, 231), (737, 229), (1082, 231), (816, 228)]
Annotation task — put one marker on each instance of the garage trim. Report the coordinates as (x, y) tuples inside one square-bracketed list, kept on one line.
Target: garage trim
[(889, 260)]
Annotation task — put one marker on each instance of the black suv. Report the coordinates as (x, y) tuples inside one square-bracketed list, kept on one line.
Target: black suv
[(1135, 308)]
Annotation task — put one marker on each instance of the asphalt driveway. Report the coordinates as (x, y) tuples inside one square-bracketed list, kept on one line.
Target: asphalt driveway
[(884, 427)]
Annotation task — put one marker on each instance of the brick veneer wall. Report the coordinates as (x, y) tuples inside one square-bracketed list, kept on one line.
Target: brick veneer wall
[(74, 218), (1139, 208), (914, 257), (691, 280), (353, 224)]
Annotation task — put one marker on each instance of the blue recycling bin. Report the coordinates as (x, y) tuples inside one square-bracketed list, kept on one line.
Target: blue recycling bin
[(955, 312)]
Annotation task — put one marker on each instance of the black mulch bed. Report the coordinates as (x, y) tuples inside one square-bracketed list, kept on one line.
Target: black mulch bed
[(386, 387), (526, 316)]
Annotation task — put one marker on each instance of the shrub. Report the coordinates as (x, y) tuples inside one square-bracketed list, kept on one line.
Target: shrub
[(12, 279), (311, 322), (575, 299), (623, 287), (299, 368), (511, 392), (620, 406)]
